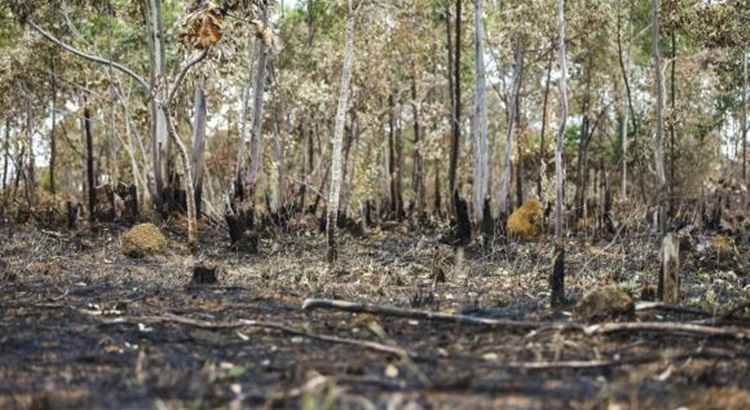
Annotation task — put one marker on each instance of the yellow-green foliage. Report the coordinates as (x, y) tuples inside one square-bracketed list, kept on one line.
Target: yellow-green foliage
[(609, 302), (142, 240), (525, 221)]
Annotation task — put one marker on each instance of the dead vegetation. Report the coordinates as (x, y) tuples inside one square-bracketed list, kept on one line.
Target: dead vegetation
[(86, 326)]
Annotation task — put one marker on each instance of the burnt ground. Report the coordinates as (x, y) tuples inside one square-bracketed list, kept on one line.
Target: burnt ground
[(82, 326)]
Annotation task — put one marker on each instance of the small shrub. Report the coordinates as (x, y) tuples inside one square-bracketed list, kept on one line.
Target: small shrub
[(609, 302), (142, 240), (526, 220)]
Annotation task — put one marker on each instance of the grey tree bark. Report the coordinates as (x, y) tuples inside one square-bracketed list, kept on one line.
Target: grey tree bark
[(158, 119), (481, 161), (338, 136), (507, 161), (661, 177), (199, 144), (744, 116), (52, 139), (6, 153), (557, 278), (456, 104), (256, 144)]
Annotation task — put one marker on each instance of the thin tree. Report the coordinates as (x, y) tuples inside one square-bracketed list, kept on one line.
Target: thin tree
[(456, 104), (199, 144), (338, 136), (90, 177), (557, 278), (507, 161), (481, 161), (659, 137), (52, 139), (744, 116), (542, 145), (6, 153)]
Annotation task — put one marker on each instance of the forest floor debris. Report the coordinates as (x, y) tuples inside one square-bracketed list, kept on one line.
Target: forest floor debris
[(84, 326)]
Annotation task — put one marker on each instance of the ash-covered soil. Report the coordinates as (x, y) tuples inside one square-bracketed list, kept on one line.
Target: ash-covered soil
[(82, 326)]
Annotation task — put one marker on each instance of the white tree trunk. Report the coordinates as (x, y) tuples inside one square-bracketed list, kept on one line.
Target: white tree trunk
[(256, 144), (199, 142), (658, 140), (481, 161), (338, 136), (158, 119)]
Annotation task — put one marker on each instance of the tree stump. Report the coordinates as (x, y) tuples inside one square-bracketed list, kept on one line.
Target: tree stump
[(72, 213), (205, 274), (669, 278)]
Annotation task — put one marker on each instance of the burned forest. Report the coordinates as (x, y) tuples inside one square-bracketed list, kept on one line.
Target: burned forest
[(374, 204)]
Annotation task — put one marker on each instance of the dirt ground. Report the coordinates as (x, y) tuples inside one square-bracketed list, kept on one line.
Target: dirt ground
[(82, 326)]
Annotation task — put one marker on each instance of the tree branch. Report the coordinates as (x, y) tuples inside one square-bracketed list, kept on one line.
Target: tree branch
[(182, 74), (90, 57)]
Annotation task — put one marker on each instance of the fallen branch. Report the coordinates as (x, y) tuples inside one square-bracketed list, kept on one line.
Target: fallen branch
[(203, 324), (353, 307), (667, 327), (636, 360), (645, 306)]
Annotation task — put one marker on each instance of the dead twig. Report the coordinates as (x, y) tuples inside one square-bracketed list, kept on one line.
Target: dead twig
[(373, 309)]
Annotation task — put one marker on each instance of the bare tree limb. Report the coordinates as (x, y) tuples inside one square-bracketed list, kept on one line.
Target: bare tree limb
[(183, 72), (90, 57)]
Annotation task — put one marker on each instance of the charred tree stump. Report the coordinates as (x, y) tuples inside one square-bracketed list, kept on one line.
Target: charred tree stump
[(463, 223), (204, 274), (488, 225), (72, 214), (239, 239), (557, 279)]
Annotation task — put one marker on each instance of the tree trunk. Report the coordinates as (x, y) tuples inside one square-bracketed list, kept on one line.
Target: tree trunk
[(507, 162), (659, 140), (744, 116), (481, 161), (6, 154), (336, 171), (438, 203), (399, 168), (91, 185), (542, 144), (31, 177), (629, 111), (256, 144), (583, 145), (672, 121), (52, 139), (392, 155), (456, 116), (279, 187), (199, 145), (158, 120), (418, 175), (557, 278)]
